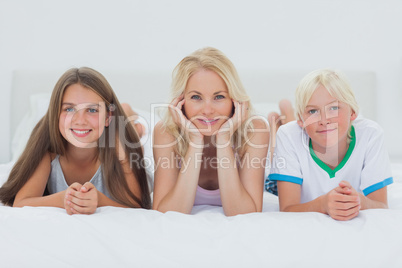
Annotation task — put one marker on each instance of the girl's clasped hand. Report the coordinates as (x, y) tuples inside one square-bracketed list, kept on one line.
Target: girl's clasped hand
[(81, 199)]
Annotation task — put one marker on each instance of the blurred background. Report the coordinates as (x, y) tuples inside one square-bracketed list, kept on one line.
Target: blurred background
[(255, 35)]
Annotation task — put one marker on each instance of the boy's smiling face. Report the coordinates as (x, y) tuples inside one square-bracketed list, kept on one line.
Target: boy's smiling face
[(326, 120)]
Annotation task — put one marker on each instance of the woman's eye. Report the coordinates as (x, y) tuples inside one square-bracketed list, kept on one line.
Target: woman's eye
[(195, 97), (219, 97), (69, 109), (92, 110)]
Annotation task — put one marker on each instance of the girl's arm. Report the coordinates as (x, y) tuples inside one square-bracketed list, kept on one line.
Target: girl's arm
[(130, 178), (31, 194), (242, 187), (174, 187), (85, 199), (337, 205)]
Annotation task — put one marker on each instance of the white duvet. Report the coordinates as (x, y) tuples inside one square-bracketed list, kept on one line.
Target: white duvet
[(117, 237)]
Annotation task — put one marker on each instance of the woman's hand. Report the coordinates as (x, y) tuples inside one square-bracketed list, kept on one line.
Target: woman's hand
[(232, 124), (81, 199), (176, 110)]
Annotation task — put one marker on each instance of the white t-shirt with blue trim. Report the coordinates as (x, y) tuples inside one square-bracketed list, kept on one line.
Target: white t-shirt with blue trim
[(365, 166)]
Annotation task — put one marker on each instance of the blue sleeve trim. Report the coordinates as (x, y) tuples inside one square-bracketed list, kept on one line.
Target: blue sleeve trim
[(280, 177), (378, 186)]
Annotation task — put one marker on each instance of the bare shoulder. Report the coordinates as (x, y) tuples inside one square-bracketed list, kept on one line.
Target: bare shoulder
[(46, 161), (36, 184), (162, 136), (259, 123), (260, 132)]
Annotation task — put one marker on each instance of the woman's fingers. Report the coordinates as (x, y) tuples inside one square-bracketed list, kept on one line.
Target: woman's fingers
[(175, 109)]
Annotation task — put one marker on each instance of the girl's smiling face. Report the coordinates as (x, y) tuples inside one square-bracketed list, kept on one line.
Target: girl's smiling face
[(326, 120), (83, 116), (207, 102)]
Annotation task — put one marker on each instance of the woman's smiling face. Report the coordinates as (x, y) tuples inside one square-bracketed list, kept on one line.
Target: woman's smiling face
[(207, 102)]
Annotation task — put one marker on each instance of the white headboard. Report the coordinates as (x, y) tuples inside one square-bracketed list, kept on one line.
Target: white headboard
[(140, 88)]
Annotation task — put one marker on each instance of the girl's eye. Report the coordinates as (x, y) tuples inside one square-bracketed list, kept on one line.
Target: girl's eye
[(219, 97), (92, 110), (195, 97)]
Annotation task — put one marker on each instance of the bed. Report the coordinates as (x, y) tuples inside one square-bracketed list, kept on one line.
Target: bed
[(117, 237)]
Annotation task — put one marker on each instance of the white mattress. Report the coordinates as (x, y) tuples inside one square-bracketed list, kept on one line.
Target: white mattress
[(118, 237)]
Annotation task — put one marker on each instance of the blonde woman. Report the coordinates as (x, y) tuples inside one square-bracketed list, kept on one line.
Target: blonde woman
[(209, 149)]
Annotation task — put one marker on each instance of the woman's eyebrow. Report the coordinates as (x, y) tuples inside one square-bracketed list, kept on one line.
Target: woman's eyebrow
[(194, 91), (220, 92)]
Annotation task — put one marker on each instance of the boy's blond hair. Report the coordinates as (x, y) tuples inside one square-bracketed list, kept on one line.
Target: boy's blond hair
[(334, 81)]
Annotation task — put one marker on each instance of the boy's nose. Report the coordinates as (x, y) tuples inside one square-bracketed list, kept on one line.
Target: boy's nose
[(324, 120)]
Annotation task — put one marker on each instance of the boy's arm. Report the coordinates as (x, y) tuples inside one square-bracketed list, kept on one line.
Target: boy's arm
[(338, 206), (376, 199)]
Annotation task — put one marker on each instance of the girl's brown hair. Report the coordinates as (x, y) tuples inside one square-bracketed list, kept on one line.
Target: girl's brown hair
[(46, 138)]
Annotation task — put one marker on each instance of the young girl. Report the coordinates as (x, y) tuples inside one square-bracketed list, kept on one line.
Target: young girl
[(328, 161), (208, 150), (76, 158)]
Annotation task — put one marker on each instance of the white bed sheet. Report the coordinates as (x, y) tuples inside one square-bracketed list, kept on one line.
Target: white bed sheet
[(117, 237)]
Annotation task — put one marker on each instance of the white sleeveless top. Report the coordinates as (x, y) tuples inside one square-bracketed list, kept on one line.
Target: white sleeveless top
[(57, 183)]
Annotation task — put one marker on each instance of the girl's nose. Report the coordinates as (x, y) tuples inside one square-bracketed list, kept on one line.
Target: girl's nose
[(79, 117)]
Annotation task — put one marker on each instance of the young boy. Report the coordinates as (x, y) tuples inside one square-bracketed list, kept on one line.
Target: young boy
[(330, 162)]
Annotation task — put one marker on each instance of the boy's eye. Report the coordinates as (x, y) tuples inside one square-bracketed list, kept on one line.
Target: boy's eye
[(219, 97), (195, 97), (334, 108)]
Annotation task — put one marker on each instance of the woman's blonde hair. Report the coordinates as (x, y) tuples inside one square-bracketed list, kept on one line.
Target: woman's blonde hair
[(334, 81), (214, 60), (46, 138)]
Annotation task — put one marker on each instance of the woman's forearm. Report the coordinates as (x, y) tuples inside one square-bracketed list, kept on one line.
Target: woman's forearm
[(235, 198), (181, 197)]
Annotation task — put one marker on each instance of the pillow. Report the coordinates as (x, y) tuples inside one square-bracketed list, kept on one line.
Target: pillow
[(264, 108), (39, 104), (148, 120)]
